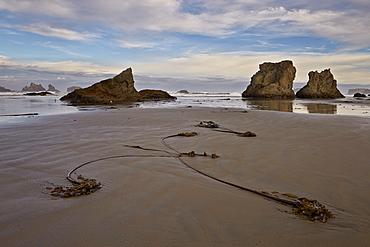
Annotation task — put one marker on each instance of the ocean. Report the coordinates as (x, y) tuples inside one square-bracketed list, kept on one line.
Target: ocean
[(16, 105)]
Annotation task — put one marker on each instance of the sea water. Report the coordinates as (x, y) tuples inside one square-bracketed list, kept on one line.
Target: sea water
[(345, 106), (16, 105)]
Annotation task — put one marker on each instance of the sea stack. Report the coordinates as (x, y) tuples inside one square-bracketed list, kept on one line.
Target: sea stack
[(33, 87), (320, 86), (118, 89), (3, 89), (113, 90), (52, 88), (273, 80)]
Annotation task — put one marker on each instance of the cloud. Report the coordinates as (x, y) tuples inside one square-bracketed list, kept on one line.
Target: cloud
[(347, 67), (344, 21), (56, 8), (137, 44), (58, 32), (61, 49), (82, 69), (188, 39)]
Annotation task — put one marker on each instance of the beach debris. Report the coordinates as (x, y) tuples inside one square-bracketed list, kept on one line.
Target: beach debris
[(313, 210), (247, 134), (187, 134), (214, 156), (85, 186), (208, 124), (21, 114), (216, 127), (290, 195), (193, 154)]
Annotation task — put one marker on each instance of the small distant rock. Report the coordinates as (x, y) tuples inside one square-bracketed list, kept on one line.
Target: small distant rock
[(52, 88), (149, 94), (358, 90), (320, 85), (71, 89), (183, 91), (359, 95), (273, 80), (33, 87), (3, 89)]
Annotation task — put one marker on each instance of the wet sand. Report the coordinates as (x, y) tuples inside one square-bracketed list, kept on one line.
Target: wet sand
[(160, 202)]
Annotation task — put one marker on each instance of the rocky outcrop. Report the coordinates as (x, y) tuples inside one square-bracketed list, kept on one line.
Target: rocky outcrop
[(71, 89), (52, 88), (359, 95), (358, 90), (34, 87), (38, 94), (3, 89), (183, 91), (113, 90), (149, 94), (273, 80), (320, 85)]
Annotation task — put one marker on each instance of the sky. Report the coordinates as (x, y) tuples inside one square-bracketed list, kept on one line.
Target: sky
[(198, 45)]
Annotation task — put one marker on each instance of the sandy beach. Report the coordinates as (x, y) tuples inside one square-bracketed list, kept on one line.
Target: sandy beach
[(158, 201)]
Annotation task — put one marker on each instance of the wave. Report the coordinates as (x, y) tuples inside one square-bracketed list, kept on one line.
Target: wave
[(206, 94)]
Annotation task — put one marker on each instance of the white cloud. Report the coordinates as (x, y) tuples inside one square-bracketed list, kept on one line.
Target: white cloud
[(61, 49), (348, 68), (83, 69), (136, 44), (56, 8), (58, 32), (150, 23), (217, 18)]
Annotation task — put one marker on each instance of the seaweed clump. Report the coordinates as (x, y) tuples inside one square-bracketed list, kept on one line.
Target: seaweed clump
[(208, 124), (84, 187), (314, 210), (188, 134), (247, 134)]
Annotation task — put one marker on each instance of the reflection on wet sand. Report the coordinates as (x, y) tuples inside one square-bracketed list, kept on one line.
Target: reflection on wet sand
[(321, 108), (270, 104), (287, 106)]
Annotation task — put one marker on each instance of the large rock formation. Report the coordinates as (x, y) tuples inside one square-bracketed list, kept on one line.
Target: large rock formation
[(320, 85), (113, 90), (273, 80), (33, 87), (118, 89)]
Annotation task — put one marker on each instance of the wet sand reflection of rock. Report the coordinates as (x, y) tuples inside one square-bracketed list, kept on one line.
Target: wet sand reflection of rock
[(270, 104), (287, 106), (321, 108)]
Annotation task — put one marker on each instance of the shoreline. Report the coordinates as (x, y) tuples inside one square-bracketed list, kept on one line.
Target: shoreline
[(51, 105), (160, 202)]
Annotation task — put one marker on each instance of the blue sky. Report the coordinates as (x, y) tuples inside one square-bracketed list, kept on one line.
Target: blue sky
[(199, 45)]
